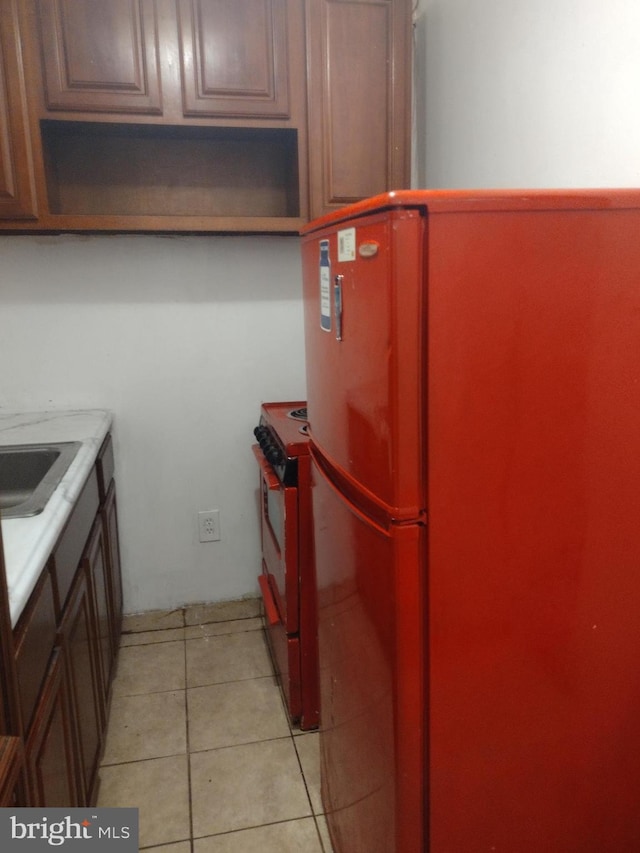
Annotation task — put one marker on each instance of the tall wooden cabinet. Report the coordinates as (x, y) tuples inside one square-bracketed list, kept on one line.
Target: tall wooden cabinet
[(359, 99), (192, 115), (17, 187)]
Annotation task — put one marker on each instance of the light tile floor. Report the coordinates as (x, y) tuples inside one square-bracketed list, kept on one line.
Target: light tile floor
[(199, 740)]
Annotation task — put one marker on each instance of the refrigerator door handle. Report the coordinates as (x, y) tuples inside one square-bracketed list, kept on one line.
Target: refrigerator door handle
[(337, 304)]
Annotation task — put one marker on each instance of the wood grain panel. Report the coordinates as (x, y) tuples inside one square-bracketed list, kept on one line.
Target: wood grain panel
[(50, 749), (17, 193), (80, 646), (95, 562), (180, 172), (101, 56), (34, 639), (234, 58), (11, 767), (359, 54), (357, 97), (68, 550), (110, 523)]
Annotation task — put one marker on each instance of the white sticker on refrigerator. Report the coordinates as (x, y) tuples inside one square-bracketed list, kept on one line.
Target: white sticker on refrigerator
[(347, 244), (325, 286)]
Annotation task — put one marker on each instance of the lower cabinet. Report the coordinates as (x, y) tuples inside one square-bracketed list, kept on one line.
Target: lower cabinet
[(110, 526), (51, 748), (80, 644), (11, 771), (65, 649), (94, 562)]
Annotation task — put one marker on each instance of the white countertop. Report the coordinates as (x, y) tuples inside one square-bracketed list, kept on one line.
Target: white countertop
[(28, 542)]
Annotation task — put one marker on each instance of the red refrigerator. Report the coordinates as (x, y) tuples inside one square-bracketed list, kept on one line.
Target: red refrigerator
[(473, 383)]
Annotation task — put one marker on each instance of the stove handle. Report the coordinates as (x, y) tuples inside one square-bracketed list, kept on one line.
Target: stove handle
[(273, 484)]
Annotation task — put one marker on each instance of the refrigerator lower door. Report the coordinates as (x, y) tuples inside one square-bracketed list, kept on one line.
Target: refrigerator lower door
[(370, 597)]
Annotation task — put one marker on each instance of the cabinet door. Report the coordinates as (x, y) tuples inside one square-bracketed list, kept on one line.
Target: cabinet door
[(17, 192), (359, 55), (110, 521), (79, 639), (34, 640), (101, 56), (234, 58), (11, 772), (9, 690), (51, 746), (73, 541), (96, 563)]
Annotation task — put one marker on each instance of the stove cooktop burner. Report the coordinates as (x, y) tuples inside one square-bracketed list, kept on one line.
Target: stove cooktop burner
[(299, 414)]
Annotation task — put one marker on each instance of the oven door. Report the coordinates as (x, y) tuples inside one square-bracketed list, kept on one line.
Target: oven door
[(279, 522)]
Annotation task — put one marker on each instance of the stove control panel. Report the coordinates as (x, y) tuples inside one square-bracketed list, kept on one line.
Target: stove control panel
[(281, 435), (274, 454)]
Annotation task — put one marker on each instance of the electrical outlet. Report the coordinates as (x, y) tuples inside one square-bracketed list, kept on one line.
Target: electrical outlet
[(209, 525)]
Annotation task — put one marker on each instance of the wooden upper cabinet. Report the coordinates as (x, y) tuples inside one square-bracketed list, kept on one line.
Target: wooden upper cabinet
[(359, 55), (101, 56), (17, 192), (199, 115), (234, 58)]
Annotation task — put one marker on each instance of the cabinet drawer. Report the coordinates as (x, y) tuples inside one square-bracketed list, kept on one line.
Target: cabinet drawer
[(105, 467), (68, 551), (34, 639)]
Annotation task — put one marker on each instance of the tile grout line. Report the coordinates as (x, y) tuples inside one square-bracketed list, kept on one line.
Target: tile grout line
[(201, 625), (189, 786), (183, 638), (228, 832), (292, 733), (186, 723), (294, 737), (195, 687), (304, 778)]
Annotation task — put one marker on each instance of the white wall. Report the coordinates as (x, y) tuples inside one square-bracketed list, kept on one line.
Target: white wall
[(181, 338), (528, 93)]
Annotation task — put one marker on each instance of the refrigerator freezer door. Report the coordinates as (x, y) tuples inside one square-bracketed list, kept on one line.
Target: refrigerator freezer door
[(370, 588), (364, 339)]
